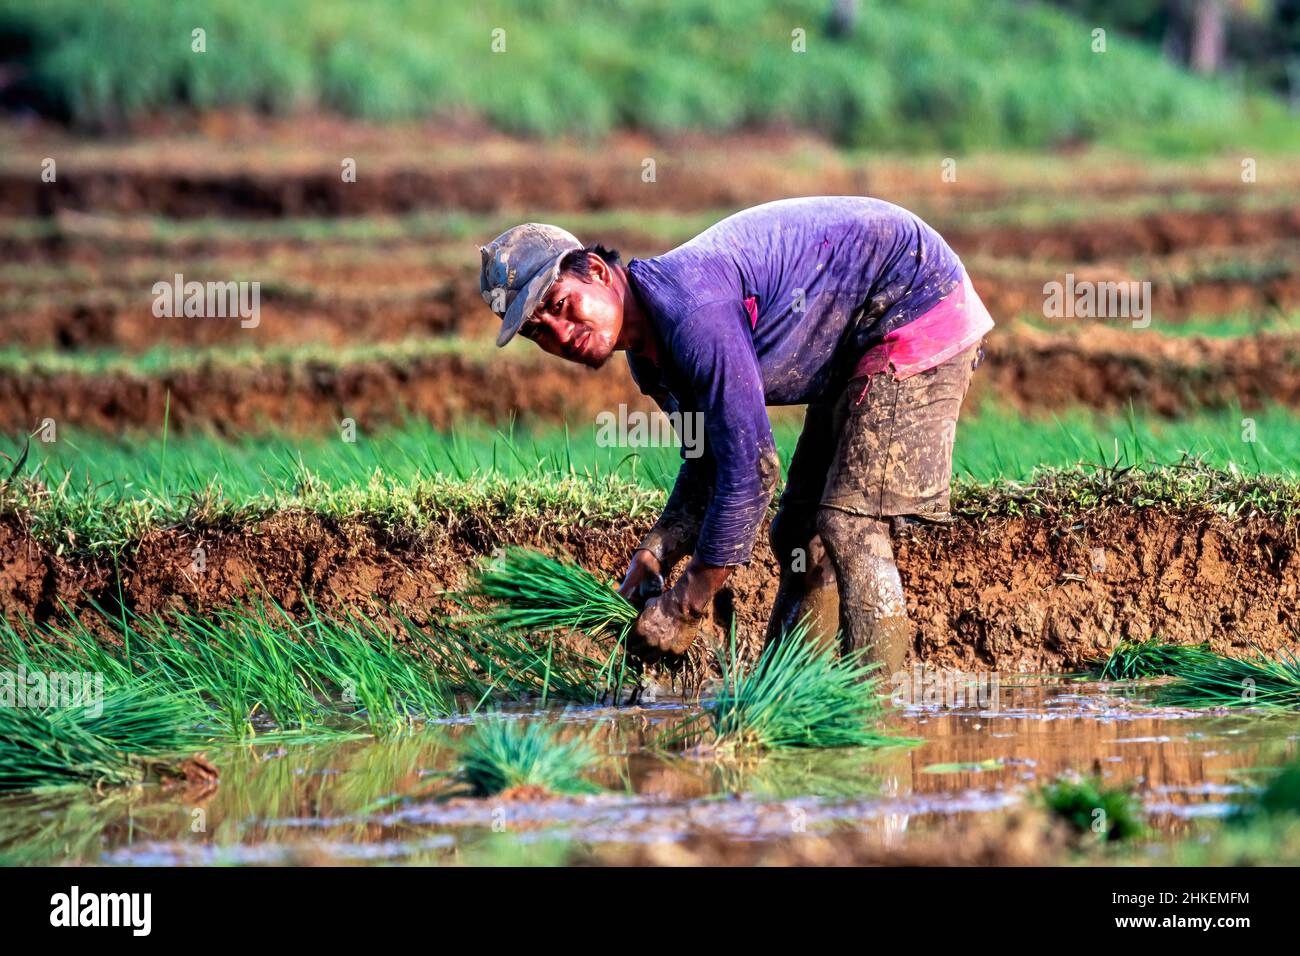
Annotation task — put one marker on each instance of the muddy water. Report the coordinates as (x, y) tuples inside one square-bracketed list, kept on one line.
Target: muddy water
[(362, 801)]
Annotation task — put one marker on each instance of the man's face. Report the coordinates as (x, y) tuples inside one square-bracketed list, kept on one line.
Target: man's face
[(580, 319)]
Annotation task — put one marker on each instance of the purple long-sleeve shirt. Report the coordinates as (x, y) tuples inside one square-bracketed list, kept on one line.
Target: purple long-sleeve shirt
[(773, 306)]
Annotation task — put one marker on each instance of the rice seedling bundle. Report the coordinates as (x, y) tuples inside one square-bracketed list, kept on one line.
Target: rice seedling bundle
[(1217, 681), (1111, 814), (532, 592), (529, 593), (61, 746), (1134, 660), (798, 694), (502, 754)]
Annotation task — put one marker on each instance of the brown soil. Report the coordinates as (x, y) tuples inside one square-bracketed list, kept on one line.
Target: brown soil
[(98, 321), (1102, 368), (446, 390), (350, 312), (240, 165), (1013, 595), (1169, 302), (1107, 368), (1022, 838), (1156, 234)]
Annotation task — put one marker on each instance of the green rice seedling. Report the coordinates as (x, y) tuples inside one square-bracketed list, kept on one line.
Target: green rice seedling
[(1134, 660), (491, 662), (530, 593), (535, 593), (1280, 798), (1236, 682), (61, 746), (502, 754), (798, 694), (389, 686), (1110, 814)]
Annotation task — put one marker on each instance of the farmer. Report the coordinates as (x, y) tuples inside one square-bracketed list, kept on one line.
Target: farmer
[(852, 306)]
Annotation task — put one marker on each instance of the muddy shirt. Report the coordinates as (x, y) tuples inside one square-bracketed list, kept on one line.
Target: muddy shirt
[(773, 306)]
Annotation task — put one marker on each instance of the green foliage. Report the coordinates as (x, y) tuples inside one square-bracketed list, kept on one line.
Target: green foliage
[(243, 668), (1109, 814), (1134, 660), (89, 492), (500, 754), (1216, 681), (1280, 798), (530, 593), (961, 74), (92, 743), (798, 694)]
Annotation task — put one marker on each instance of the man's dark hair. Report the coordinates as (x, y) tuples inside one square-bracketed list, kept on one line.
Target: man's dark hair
[(578, 262)]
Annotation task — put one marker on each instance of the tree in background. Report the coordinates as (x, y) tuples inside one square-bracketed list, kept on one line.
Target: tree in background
[(1259, 37)]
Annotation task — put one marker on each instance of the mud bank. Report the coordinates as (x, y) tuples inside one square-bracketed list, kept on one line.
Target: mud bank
[(1104, 369), (449, 304), (1011, 594)]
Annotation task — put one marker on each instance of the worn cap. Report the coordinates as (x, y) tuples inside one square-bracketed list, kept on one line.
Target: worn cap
[(518, 268)]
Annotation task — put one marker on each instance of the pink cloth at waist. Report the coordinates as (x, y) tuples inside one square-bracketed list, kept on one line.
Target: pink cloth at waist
[(956, 323)]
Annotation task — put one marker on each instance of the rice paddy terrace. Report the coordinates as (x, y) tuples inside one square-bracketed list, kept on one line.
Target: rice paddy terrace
[(1117, 482)]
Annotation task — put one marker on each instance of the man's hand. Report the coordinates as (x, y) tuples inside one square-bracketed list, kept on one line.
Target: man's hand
[(670, 624), (665, 627), (644, 579)]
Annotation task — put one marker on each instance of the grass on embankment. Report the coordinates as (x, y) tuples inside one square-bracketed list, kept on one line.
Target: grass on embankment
[(920, 73), (89, 493)]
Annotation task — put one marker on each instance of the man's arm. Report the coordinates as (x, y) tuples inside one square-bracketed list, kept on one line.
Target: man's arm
[(673, 535), (714, 350)]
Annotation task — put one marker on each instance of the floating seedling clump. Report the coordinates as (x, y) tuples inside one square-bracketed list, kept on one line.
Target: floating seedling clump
[(1134, 660), (502, 755), (1236, 682), (1110, 814), (99, 742), (798, 694)]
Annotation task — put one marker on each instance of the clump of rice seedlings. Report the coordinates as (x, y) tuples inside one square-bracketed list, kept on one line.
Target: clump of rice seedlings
[(501, 754), (530, 593), (388, 686), (1110, 814), (1134, 660), (1219, 681), (96, 745), (798, 694), (254, 667), (491, 662), (1280, 798)]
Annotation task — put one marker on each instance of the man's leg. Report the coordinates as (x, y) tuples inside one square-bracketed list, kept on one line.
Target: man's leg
[(807, 583), (873, 609), (893, 459)]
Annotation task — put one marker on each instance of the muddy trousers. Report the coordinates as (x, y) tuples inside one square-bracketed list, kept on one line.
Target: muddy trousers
[(871, 615), (880, 454)]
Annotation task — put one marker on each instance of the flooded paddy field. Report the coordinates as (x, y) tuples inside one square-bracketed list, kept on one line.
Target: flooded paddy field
[(967, 792)]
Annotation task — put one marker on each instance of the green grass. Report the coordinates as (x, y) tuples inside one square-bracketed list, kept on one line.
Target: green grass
[(89, 492), (958, 74), (501, 754), (70, 745), (1280, 798), (797, 695), (1215, 681), (1090, 808), (252, 668), (1134, 660)]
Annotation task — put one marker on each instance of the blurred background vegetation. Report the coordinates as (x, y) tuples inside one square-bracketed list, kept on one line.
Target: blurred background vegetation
[(1176, 75)]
